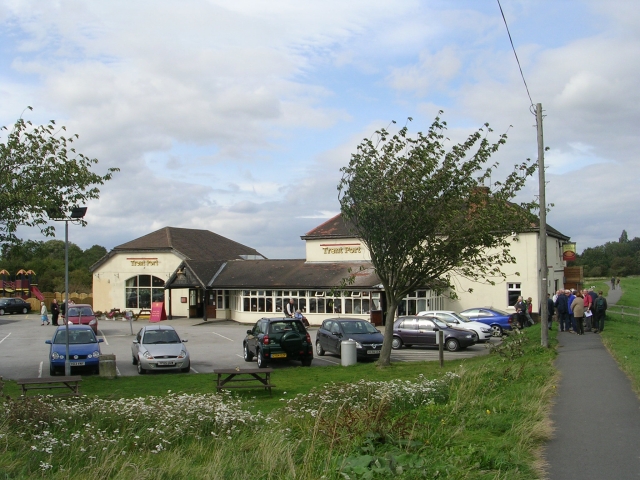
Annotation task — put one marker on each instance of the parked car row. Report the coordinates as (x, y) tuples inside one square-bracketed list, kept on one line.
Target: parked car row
[(159, 348), (14, 305)]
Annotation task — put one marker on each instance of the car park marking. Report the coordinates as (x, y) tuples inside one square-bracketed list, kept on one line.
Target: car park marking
[(227, 338), (6, 336), (118, 372), (194, 370), (104, 337), (40, 370), (326, 360)]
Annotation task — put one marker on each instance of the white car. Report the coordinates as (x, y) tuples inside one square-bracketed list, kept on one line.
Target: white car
[(452, 318)]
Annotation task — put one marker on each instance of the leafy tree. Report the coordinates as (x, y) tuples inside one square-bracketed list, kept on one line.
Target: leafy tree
[(624, 238), (40, 173), (424, 214)]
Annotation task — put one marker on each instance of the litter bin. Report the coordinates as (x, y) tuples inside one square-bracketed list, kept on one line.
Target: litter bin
[(107, 363), (348, 353)]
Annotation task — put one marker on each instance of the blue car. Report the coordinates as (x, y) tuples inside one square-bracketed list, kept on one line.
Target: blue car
[(84, 349), (496, 319)]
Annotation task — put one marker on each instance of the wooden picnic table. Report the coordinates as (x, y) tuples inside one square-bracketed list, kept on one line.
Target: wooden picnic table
[(143, 311), (71, 382), (229, 377)]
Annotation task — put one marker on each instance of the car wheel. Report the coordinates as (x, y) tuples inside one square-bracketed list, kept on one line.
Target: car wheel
[(291, 342), (262, 362), (248, 356), (24, 310), (319, 350), (134, 360), (306, 362), (141, 370), (186, 369), (52, 371), (1, 311), (396, 343), (452, 344), (496, 331)]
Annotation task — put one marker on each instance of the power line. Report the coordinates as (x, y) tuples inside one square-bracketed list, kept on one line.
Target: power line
[(514, 52)]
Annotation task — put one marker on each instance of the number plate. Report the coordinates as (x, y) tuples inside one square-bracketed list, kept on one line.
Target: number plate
[(373, 352), (166, 363), (278, 355), (76, 364)]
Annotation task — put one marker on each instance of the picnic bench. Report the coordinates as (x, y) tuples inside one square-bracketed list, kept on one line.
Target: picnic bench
[(230, 377), (143, 311), (71, 382)]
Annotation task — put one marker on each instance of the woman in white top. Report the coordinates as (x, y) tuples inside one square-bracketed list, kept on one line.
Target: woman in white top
[(43, 313)]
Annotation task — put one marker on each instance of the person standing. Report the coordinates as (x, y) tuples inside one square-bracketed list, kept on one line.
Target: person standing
[(572, 320), (43, 313), (618, 283), (290, 310), (521, 308), (550, 309), (55, 312), (577, 307), (563, 311), (613, 283), (600, 310), (529, 311), (588, 314)]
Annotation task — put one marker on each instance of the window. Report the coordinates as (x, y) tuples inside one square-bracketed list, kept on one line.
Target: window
[(514, 290), (141, 290)]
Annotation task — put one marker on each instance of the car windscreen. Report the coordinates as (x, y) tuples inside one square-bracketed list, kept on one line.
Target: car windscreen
[(77, 311), (157, 337), (284, 326), (439, 323), (75, 337), (460, 317), (358, 327), (500, 312)]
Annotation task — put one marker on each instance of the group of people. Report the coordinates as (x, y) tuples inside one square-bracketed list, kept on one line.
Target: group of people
[(56, 310), (577, 308), (615, 281)]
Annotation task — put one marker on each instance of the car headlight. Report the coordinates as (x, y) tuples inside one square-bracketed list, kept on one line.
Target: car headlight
[(468, 336), (95, 354), (147, 355), (93, 322), (57, 356), (486, 330), (183, 353), (358, 344)]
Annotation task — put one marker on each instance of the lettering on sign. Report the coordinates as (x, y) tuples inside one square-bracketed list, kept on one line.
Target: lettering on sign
[(342, 250), (144, 262)]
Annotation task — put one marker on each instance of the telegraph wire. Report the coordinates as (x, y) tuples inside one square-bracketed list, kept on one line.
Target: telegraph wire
[(516, 55)]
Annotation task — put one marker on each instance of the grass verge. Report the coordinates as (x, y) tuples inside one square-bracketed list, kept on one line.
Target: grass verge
[(479, 418)]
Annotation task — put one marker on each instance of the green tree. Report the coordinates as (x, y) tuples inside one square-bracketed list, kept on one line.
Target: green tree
[(624, 238), (424, 214), (40, 173)]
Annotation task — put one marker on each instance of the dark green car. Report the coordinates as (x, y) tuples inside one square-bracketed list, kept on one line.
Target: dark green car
[(278, 339)]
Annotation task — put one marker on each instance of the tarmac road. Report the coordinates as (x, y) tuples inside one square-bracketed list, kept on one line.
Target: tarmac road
[(213, 344)]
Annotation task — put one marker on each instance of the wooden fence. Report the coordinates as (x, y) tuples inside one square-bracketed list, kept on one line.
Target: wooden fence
[(623, 310), (49, 296)]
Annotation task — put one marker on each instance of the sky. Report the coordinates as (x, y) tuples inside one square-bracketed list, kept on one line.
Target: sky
[(236, 117)]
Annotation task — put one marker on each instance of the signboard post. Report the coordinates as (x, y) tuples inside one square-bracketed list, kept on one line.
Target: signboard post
[(157, 312)]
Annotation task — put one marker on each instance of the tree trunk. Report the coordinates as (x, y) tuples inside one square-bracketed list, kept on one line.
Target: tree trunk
[(385, 353)]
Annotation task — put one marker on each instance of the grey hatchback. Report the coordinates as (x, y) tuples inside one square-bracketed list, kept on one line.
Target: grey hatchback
[(334, 330), (158, 347)]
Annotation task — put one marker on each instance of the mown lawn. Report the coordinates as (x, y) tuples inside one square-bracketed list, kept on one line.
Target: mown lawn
[(621, 334), (479, 418)]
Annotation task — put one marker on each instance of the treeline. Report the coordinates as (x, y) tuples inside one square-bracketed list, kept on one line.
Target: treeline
[(618, 259), (46, 259)]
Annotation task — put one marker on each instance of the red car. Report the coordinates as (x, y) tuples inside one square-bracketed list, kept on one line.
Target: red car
[(82, 315)]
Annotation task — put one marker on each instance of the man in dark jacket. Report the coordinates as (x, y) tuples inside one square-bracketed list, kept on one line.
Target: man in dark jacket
[(562, 308), (599, 312)]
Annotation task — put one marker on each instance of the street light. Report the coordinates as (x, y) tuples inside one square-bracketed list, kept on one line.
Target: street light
[(76, 214)]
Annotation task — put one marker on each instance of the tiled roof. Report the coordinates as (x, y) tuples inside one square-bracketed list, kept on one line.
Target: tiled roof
[(335, 227), (273, 274), (194, 273), (189, 243)]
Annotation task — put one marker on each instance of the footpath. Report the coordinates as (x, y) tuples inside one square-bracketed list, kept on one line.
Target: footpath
[(596, 415)]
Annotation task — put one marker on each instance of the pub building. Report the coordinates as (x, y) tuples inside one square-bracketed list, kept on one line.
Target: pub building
[(200, 274)]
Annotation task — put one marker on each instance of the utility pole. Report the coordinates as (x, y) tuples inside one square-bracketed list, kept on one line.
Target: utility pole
[(542, 245)]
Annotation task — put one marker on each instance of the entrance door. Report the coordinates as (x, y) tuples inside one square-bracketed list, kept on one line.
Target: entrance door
[(211, 303)]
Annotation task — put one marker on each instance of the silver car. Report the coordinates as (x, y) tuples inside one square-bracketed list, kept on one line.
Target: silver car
[(484, 331), (158, 347)]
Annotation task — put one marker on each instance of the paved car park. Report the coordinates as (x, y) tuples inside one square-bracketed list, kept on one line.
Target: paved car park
[(211, 345)]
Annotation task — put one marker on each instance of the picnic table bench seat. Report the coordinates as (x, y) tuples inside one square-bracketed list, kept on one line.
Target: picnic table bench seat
[(243, 378), (71, 382)]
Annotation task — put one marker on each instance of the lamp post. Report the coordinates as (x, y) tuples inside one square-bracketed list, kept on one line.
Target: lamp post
[(76, 214)]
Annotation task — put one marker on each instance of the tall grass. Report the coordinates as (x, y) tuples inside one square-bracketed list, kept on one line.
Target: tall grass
[(483, 418)]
